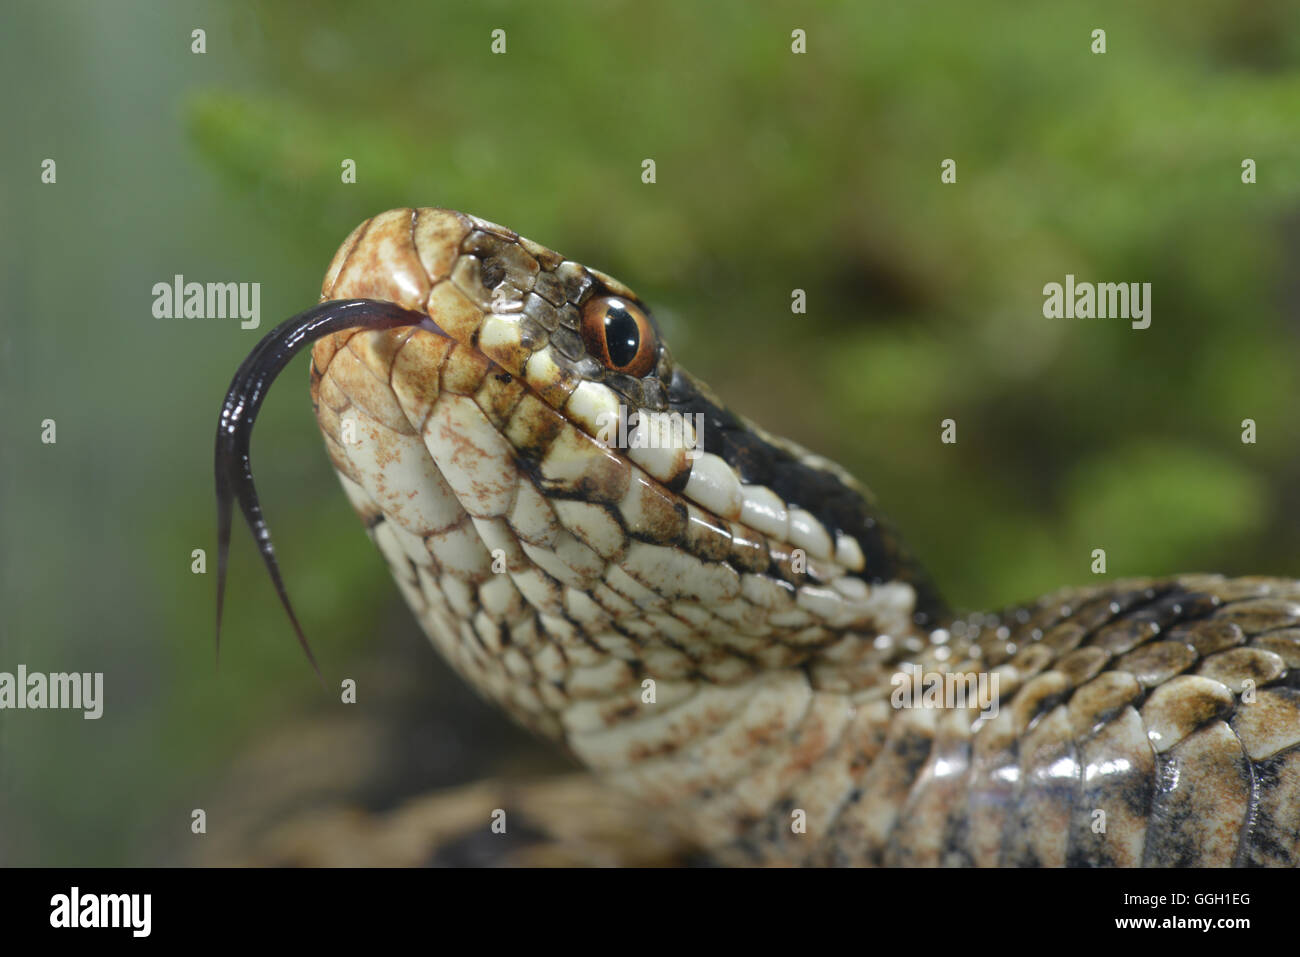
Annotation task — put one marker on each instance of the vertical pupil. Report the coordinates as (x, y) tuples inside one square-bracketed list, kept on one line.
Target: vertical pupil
[(622, 336)]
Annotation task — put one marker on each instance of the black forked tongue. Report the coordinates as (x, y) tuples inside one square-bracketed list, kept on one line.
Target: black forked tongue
[(234, 472)]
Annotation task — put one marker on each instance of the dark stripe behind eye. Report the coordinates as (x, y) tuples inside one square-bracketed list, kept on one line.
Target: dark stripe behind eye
[(838, 507)]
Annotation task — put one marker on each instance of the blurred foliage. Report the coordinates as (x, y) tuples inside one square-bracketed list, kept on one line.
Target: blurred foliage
[(775, 171)]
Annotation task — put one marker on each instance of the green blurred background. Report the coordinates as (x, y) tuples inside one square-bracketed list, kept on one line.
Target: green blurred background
[(775, 171)]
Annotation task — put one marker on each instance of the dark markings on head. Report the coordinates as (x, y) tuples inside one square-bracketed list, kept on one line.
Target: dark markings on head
[(838, 507)]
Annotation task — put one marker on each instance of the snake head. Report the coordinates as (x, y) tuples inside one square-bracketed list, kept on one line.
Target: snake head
[(559, 501), (569, 512)]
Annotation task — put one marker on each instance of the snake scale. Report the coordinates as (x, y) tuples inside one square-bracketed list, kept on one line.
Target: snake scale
[(717, 625)]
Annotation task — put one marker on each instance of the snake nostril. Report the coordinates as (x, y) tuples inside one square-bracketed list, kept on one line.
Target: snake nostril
[(493, 274)]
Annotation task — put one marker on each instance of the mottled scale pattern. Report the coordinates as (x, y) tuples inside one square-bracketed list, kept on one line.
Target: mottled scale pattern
[(724, 635), (1142, 723)]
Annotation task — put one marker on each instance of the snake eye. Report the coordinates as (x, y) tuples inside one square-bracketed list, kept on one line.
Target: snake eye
[(619, 334)]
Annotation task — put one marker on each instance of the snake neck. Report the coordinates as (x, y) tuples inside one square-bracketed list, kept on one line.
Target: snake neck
[(749, 770)]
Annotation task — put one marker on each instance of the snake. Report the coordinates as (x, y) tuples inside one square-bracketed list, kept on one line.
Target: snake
[(724, 626)]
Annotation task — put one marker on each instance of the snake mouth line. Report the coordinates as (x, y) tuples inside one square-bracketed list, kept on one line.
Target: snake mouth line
[(248, 389), (234, 477)]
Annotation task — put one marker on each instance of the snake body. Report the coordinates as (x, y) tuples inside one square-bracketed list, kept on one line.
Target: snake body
[(721, 627)]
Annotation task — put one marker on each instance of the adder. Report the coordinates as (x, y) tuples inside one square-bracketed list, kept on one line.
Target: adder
[(724, 626)]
